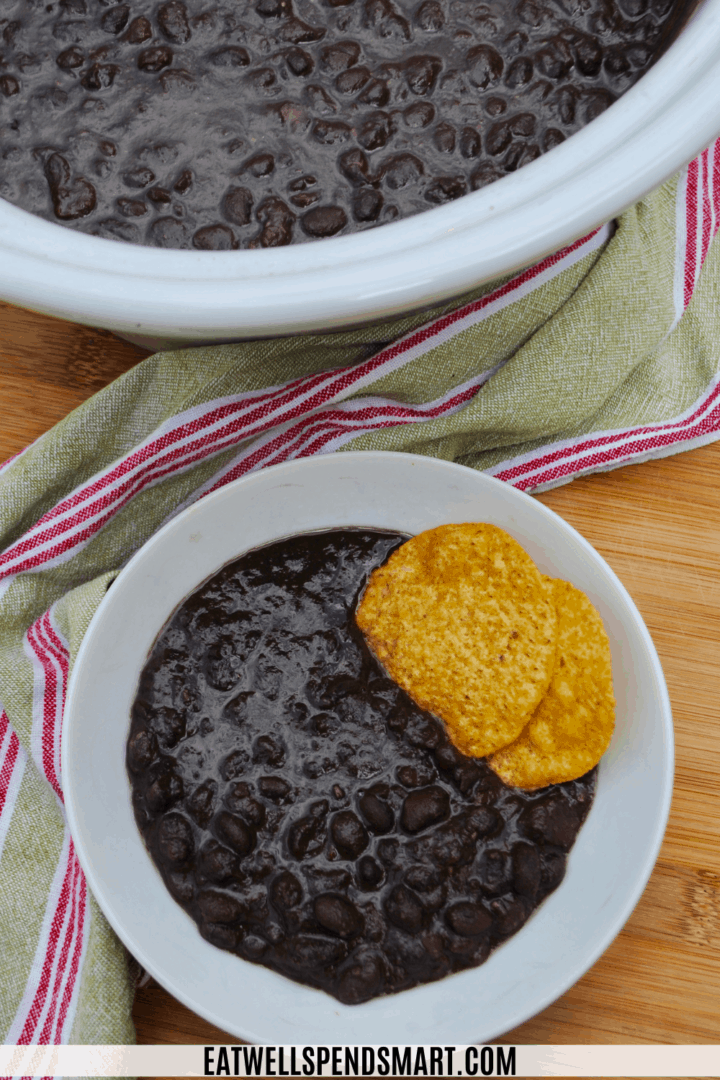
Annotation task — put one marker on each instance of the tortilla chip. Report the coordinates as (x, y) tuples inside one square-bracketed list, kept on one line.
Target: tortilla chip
[(463, 621), (573, 725)]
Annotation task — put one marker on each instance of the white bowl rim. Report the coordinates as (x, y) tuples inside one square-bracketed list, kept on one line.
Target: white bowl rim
[(650, 132), (286, 473)]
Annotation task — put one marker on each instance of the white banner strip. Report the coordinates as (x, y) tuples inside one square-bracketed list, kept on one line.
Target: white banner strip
[(389, 1061)]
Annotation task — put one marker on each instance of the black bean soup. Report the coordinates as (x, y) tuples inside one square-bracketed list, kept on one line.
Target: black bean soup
[(303, 810), (266, 122)]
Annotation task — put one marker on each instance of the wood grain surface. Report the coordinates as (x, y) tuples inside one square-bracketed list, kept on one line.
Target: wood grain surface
[(658, 526)]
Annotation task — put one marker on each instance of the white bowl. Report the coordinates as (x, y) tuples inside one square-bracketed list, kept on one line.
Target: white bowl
[(164, 298), (607, 869)]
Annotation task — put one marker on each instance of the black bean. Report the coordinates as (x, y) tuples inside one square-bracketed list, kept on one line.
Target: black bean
[(376, 93), (201, 801), (508, 921), (173, 22), (219, 907), (340, 56), (588, 54), (324, 221), (369, 872), (278, 220), (367, 204), (139, 177), (468, 919), (361, 980), (445, 188), (376, 811), (181, 884), (348, 834), (445, 137), (234, 764), (596, 103), (551, 138), (184, 182), (484, 66), (219, 934), (168, 232), (299, 32), (498, 138), (386, 20), (214, 238), (164, 792), (404, 910), (68, 60), (286, 891), (519, 73), (424, 877), (217, 862), (553, 821), (138, 31), (72, 198), (430, 17), (99, 76), (352, 81), (419, 115), (338, 915), (527, 870), (240, 801), (330, 132), (9, 86), (252, 947), (303, 836), (299, 61), (387, 851), (268, 751), (155, 58), (234, 831), (425, 807), (552, 861), (142, 750), (554, 60), (312, 952), (353, 164), (132, 208), (274, 9), (421, 73), (423, 731), (564, 104), (175, 839), (399, 172), (409, 777), (115, 20), (519, 155), (465, 775), (376, 131), (495, 872), (259, 165), (274, 787)]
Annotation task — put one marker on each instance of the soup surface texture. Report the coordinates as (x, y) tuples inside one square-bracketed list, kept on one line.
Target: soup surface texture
[(267, 122), (303, 810)]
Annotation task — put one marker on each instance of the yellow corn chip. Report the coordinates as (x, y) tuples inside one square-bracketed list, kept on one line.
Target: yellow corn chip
[(462, 619), (573, 724)]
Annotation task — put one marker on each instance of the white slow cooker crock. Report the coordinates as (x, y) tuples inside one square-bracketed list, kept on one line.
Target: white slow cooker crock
[(170, 298)]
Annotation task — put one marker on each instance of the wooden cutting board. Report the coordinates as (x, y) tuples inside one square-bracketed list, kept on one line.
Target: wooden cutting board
[(658, 526)]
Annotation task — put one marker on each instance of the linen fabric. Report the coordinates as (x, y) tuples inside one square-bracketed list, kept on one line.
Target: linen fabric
[(605, 353)]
